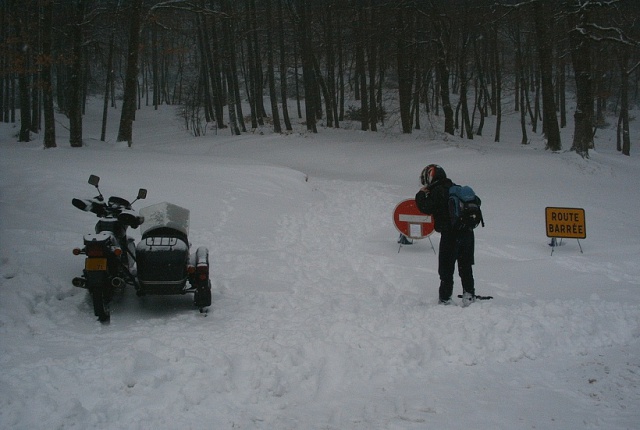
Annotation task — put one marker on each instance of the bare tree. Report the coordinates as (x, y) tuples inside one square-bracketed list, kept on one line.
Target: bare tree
[(76, 79), (623, 137), (229, 56), (21, 59), (405, 65), (209, 53), (550, 127), (465, 38), (442, 52), (361, 71), (283, 68), (308, 71), (125, 132), (47, 89), (275, 115)]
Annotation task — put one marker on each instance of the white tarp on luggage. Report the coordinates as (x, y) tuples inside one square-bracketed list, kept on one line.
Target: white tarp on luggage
[(165, 215)]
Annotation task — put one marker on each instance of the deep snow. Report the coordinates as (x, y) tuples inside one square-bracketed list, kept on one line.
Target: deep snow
[(318, 322)]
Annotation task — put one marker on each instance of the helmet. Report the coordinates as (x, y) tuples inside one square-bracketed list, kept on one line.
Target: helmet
[(432, 173)]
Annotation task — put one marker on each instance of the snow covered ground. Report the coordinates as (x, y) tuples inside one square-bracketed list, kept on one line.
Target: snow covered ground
[(318, 322)]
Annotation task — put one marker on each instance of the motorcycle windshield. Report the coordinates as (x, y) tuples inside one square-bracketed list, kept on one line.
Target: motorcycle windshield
[(165, 215)]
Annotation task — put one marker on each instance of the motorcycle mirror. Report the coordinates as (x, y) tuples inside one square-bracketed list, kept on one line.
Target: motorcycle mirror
[(93, 180), (142, 194)]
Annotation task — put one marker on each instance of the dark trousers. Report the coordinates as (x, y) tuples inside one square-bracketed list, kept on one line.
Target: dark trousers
[(456, 246)]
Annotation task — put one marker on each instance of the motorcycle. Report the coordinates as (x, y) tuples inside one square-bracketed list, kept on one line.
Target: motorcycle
[(160, 264), (110, 252)]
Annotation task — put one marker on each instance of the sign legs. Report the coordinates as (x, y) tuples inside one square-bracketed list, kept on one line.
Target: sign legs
[(404, 240), (555, 243)]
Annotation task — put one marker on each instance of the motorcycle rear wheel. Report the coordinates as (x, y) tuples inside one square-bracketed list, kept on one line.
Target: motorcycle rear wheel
[(100, 305)]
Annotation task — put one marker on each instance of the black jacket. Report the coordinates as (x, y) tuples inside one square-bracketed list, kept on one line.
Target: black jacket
[(435, 202)]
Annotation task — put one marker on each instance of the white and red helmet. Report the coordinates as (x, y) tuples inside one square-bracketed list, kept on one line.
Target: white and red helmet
[(431, 174)]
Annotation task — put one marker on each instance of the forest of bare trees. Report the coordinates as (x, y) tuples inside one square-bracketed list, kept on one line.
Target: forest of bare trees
[(222, 61)]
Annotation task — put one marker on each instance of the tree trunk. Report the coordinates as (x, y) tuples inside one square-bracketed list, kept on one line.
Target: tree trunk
[(36, 104), (155, 72), (216, 76), (275, 115), (624, 101), (283, 70), (325, 92), (109, 74), (462, 64), (416, 98), (372, 54), (522, 88), (75, 82), (341, 86), (330, 42), (562, 97), (296, 79), (498, 81), (405, 71), (235, 82), (482, 92), (259, 75), (250, 65), (545, 55), (21, 65), (47, 89), (125, 132), (206, 65), (443, 77), (536, 101), (230, 68), (361, 43), (581, 59), (308, 70), (25, 111)]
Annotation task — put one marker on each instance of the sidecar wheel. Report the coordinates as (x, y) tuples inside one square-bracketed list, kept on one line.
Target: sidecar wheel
[(100, 306), (202, 297)]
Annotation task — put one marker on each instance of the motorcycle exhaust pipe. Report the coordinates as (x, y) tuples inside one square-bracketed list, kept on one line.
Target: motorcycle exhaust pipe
[(117, 282), (79, 282)]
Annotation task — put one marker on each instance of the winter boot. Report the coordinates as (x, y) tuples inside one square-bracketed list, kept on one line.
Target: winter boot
[(467, 299)]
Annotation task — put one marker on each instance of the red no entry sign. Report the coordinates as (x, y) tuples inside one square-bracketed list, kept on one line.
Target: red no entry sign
[(411, 222)]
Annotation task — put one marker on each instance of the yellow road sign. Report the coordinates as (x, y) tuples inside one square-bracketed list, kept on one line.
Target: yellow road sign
[(565, 222)]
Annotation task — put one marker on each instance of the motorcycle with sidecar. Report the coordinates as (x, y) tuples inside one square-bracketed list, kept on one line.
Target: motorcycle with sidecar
[(160, 264)]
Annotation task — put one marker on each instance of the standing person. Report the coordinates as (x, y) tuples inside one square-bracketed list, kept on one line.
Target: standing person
[(456, 245)]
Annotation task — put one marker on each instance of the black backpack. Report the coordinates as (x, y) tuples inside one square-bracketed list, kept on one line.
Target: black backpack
[(464, 208)]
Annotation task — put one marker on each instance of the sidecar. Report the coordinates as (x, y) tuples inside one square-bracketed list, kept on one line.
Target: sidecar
[(164, 263)]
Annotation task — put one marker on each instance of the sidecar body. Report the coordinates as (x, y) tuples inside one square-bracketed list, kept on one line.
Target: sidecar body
[(164, 263)]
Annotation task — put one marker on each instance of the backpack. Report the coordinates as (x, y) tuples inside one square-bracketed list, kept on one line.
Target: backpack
[(464, 208)]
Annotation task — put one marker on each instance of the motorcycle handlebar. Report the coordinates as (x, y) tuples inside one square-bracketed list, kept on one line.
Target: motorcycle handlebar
[(97, 206), (114, 207), (80, 204)]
